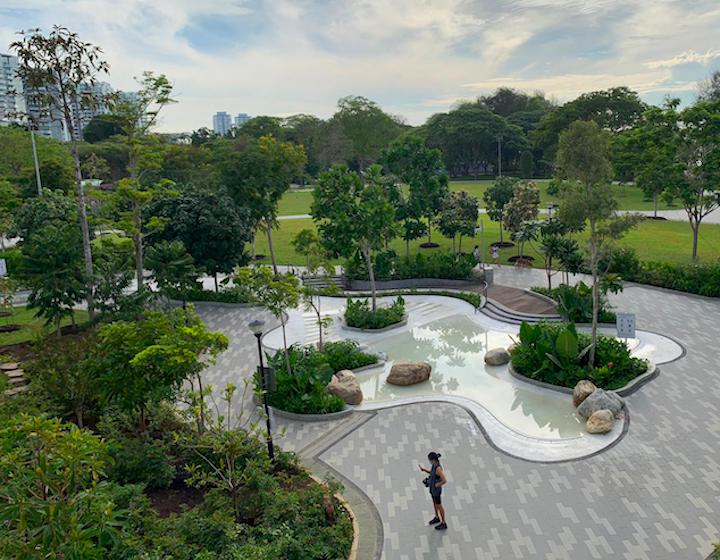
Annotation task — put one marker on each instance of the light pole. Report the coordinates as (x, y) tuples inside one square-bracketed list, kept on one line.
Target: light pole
[(256, 327), (499, 139), (551, 207)]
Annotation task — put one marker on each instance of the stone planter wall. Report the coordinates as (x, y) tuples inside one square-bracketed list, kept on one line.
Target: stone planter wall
[(364, 285)]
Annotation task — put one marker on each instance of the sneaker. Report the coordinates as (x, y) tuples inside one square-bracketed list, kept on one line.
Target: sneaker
[(433, 521), (441, 526)]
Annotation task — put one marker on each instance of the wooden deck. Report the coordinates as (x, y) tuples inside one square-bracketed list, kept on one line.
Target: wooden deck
[(520, 300)]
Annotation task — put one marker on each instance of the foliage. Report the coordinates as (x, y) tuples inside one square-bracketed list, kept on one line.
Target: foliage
[(459, 215), (51, 498), (145, 361), (497, 196), (576, 303), (101, 127), (303, 391), (53, 207), (433, 265), (171, 267), (359, 315), (556, 353), (522, 208), (13, 261)]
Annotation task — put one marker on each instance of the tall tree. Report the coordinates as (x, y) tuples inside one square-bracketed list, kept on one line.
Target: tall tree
[(56, 68), (699, 156), (710, 88), (522, 209), (422, 169), (369, 129), (458, 216), (9, 202), (172, 269), (584, 157), (136, 114), (353, 216), (496, 198)]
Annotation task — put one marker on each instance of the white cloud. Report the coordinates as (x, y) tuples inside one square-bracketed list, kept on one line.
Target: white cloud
[(686, 57)]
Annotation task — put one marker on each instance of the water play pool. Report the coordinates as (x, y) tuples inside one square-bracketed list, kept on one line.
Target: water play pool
[(455, 346)]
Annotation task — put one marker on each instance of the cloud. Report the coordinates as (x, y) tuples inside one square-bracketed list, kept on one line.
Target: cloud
[(414, 57)]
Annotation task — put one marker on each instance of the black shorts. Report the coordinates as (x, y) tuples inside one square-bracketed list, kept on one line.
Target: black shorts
[(436, 499)]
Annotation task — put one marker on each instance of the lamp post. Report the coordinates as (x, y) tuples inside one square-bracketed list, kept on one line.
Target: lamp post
[(551, 207), (256, 327)]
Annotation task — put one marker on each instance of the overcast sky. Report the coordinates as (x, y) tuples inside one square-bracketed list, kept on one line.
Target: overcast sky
[(415, 58)]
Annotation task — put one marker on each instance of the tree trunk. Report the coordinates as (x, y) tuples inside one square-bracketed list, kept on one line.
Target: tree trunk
[(287, 355), (371, 274), (429, 229), (501, 231), (460, 244), (268, 230), (549, 273), (252, 246), (85, 228), (201, 420), (216, 282), (595, 291), (655, 203), (137, 240), (454, 250), (407, 248), (696, 231)]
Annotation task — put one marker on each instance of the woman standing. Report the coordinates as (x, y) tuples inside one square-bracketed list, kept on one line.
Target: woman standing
[(435, 482)]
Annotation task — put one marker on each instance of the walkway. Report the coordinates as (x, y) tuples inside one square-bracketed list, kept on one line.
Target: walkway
[(654, 496)]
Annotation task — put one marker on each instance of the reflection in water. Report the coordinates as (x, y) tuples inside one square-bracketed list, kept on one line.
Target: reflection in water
[(455, 347)]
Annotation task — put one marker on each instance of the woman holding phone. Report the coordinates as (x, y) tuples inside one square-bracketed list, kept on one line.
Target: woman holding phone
[(435, 482)]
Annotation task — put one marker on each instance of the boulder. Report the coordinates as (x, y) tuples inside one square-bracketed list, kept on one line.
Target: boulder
[(409, 373), (600, 400), (600, 422), (497, 357), (345, 385), (582, 391)]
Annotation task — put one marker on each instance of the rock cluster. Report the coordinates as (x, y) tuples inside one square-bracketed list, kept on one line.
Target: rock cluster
[(409, 373), (598, 407), (345, 385), (497, 357)]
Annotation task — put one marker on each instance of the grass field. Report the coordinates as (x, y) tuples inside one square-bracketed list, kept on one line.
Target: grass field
[(653, 240), (30, 325), (629, 198)]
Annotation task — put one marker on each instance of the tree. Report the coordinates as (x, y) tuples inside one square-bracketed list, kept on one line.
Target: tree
[(422, 169), (257, 127), (522, 209), (698, 153), (352, 216), (368, 128), (306, 243), (225, 227), (710, 88), (50, 499), (53, 269), (553, 244), (16, 155), (172, 268), (95, 167), (137, 114), (651, 149), (312, 295), (496, 197), (9, 202), (55, 174), (584, 157), (146, 361), (258, 177), (113, 276), (56, 68), (458, 216), (276, 293), (53, 207), (507, 101), (527, 164), (102, 127)]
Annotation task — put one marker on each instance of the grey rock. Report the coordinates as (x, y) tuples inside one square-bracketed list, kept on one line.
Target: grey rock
[(600, 400), (497, 357), (582, 391), (345, 385), (600, 422)]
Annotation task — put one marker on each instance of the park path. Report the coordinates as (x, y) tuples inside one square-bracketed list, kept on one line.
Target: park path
[(653, 496)]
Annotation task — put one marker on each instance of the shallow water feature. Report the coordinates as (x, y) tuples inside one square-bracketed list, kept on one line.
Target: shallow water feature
[(455, 347)]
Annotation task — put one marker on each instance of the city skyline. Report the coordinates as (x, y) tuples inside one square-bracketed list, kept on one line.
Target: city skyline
[(283, 58)]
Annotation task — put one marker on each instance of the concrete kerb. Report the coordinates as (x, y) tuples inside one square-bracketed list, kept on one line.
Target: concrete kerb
[(352, 555)]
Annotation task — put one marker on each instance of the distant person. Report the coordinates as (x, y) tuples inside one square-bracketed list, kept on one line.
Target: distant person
[(435, 482), (476, 255), (495, 254)]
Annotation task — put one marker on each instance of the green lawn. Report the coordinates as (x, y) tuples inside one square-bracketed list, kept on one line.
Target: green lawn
[(629, 198), (31, 326), (653, 240)]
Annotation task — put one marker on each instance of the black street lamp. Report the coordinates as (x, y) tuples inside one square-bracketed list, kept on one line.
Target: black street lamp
[(256, 327)]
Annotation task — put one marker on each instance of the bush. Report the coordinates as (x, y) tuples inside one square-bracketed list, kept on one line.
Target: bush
[(13, 260), (303, 391), (224, 296), (556, 353), (575, 303), (388, 266), (359, 315)]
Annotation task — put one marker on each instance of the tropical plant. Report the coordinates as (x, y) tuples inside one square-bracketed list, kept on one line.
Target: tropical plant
[(359, 315)]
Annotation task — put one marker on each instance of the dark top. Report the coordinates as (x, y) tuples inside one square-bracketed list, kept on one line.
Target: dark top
[(434, 478)]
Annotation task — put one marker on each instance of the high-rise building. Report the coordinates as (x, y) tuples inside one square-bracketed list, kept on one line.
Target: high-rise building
[(241, 119), (221, 122), (12, 99)]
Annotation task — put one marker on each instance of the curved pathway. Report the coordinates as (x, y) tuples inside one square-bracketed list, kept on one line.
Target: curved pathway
[(655, 495)]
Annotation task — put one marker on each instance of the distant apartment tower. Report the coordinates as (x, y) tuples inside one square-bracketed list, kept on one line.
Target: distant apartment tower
[(221, 123), (241, 119), (12, 98)]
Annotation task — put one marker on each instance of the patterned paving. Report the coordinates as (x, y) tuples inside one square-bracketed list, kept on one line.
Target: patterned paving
[(654, 496)]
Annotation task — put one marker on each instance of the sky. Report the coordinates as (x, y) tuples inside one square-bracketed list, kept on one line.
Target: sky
[(415, 58)]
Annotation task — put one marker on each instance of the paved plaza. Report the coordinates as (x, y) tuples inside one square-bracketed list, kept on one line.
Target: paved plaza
[(655, 495)]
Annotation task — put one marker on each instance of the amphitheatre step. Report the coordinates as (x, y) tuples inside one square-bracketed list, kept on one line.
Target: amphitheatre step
[(520, 301), (504, 309), (507, 316), (16, 390)]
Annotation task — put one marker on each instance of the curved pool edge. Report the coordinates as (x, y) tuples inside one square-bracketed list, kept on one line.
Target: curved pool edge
[(513, 443)]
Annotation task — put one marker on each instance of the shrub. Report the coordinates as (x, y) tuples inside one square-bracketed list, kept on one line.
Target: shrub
[(359, 315), (556, 353), (13, 260), (388, 266), (575, 302), (224, 296), (303, 391)]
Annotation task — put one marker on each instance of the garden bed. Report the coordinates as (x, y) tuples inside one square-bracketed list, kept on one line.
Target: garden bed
[(359, 315)]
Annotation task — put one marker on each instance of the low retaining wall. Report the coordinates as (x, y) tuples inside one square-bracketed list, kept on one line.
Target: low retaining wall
[(362, 285), (401, 323)]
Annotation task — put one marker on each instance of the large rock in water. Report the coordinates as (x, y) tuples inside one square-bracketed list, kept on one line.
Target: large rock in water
[(345, 385), (582, 391), (497, 357), (600, 400), (600, 422), (409, 373)]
